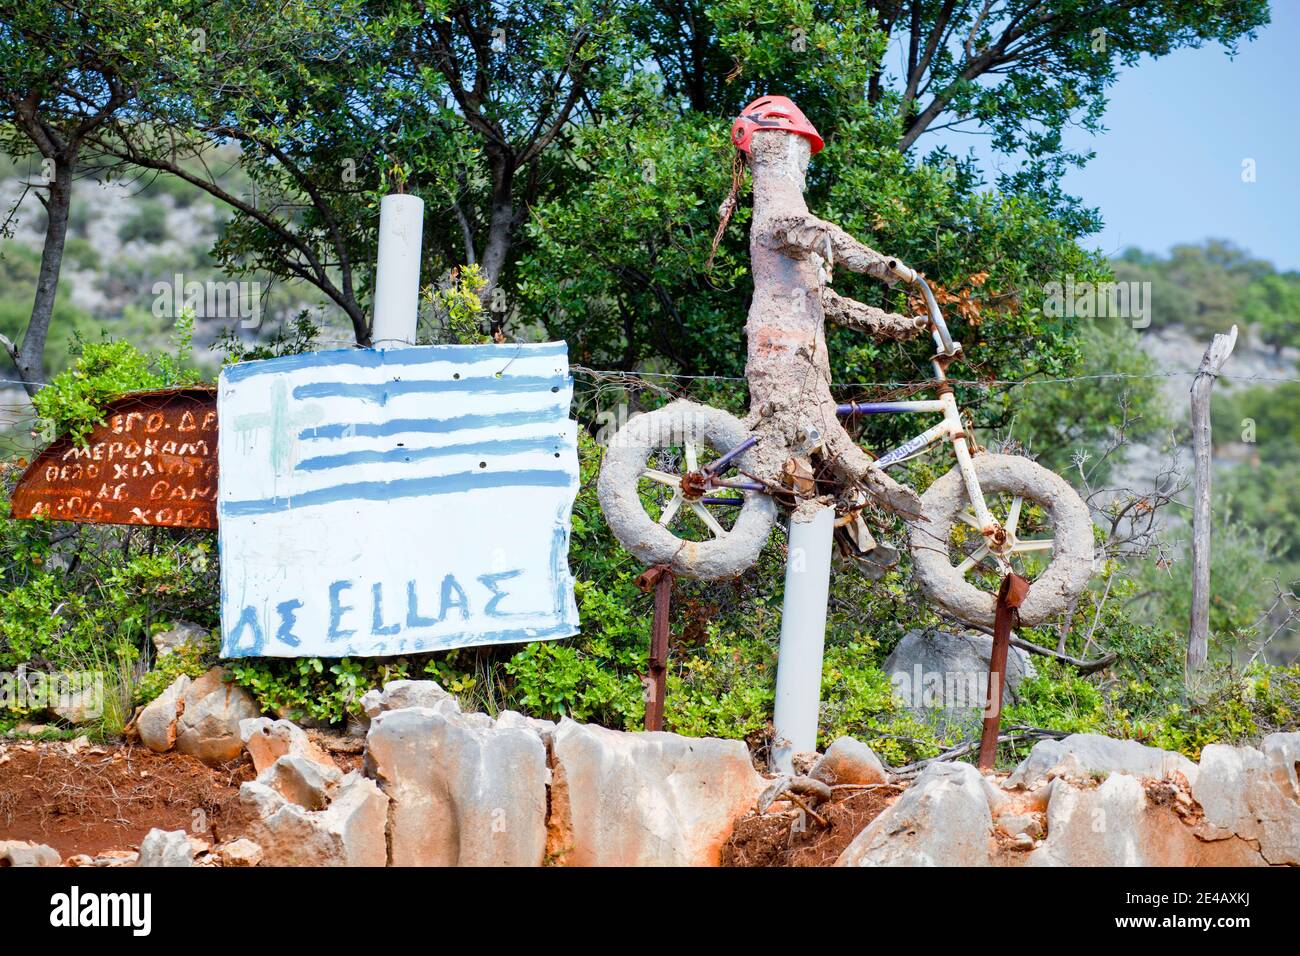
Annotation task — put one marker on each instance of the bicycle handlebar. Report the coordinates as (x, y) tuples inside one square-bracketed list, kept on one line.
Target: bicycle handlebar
[(942, 337)]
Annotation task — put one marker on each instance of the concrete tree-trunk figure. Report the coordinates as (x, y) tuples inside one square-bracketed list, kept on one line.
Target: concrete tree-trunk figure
[(788, 369), (792, 414), (1198, 638)]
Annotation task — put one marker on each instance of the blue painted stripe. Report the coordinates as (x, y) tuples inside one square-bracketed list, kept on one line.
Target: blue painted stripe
[(400, 488), (501, 446), (411, 645), (436, 426), (381, 358), (381, 392)]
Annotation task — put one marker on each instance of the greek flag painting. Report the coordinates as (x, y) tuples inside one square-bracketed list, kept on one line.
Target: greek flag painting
[(387, 502)]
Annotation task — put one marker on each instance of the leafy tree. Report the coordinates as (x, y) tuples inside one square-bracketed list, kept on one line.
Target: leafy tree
[(65, 71), (297, 86), (1203, 288), (1272, 307), (459, 103)]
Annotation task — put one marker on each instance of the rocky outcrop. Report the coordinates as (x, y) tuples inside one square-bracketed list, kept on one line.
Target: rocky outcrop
[(1255, 794), (465, 790), (943, 819), (348, 828), (268, 740), (1093, 801), (446, 788), (1119, 824), (156, 723), (180, 636), (945, 676), (645, 799), (400, 694), (23, 853), (241, 852), (166, 848), (208, 725), (470, 790), (304, 782), (200, 718), (849, 761), (1091, 755)]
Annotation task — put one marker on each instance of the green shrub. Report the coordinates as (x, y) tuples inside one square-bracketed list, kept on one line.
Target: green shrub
[(190, 660), (73, 401)]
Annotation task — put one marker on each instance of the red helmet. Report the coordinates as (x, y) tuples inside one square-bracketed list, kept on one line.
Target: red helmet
[(773, 112)]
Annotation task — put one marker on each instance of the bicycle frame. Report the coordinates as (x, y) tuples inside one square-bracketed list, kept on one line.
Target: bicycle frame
[(950, 429)]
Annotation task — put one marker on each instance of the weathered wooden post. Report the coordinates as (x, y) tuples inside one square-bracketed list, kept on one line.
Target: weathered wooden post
[(1198, 638)]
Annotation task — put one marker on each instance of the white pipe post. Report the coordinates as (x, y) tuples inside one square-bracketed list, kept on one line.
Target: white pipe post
[(803, 638), (397, 272)]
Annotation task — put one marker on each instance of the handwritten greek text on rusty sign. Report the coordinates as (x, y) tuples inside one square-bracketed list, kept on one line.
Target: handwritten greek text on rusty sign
[(151, 461)]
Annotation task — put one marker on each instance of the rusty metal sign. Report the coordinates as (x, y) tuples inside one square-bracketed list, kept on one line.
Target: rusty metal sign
[(151, 461)]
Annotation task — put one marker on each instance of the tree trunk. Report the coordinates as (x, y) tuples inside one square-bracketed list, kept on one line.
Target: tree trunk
[(501, 228), (1198, 638), (30, 356)]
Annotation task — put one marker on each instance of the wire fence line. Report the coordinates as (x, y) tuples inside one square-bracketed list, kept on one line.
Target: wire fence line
[(997, 382), (968, 382)]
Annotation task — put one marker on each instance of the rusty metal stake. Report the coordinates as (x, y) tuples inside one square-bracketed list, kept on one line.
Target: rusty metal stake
[(1010, 596), (660, 578)]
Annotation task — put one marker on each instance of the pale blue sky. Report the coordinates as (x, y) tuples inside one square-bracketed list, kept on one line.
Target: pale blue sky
[(1169, 165)]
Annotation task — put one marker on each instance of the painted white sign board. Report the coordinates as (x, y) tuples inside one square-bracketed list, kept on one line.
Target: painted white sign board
[(389, 502)]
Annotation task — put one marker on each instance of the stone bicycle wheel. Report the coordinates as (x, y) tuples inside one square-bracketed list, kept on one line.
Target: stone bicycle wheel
[(717, 534), (1049, 541)]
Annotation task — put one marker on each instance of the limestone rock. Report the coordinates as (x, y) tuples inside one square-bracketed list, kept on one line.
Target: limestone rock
[(542, 728), (934, 671), (208, 726), (157, 721), (408, 693), (1115, 825), (178, 636), (301, 781), (943, 819), (241, 852), (1014, 824), (166, 848), (464, 790), (1082, 755), (1255, 794), (849, 761), (350, 831), (24, 853), (645, 799), (267, 740)]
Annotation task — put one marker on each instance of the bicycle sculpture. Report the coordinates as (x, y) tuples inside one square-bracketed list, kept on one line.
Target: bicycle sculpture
[(714, 482)]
